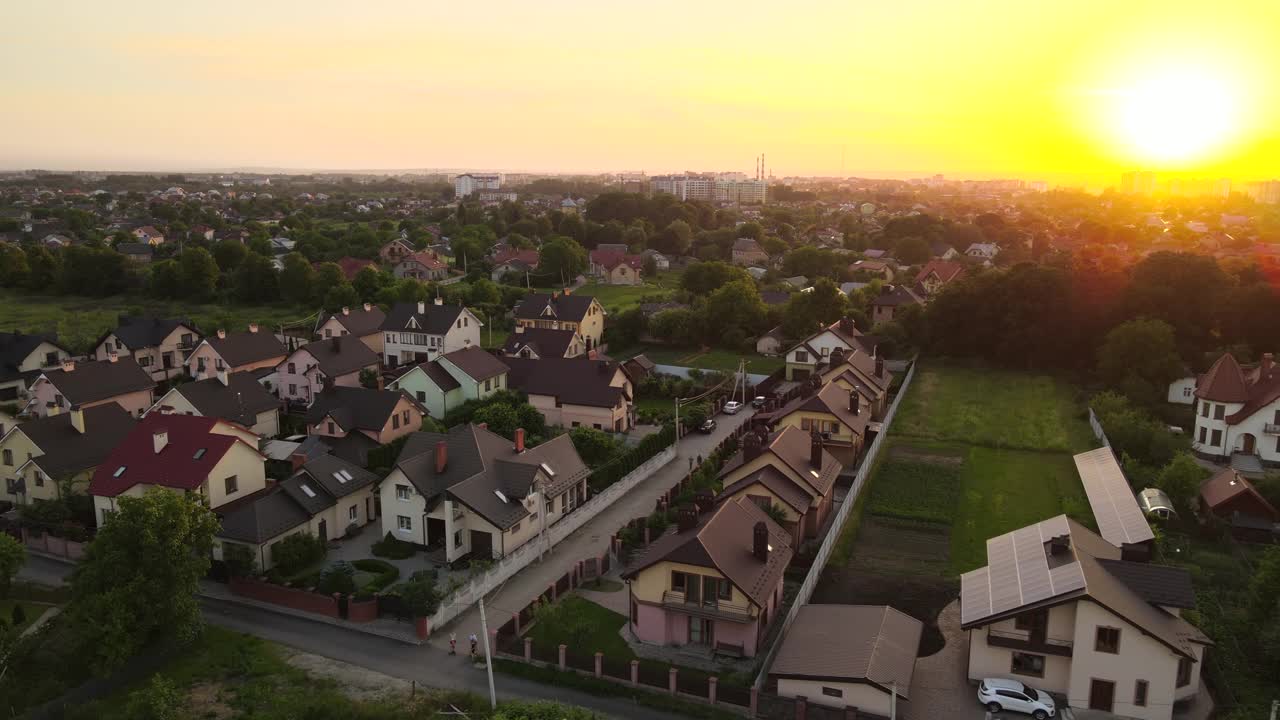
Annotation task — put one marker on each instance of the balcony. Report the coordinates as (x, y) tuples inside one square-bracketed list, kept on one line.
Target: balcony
[(714, 610), (1271, 429), (1025, 640)]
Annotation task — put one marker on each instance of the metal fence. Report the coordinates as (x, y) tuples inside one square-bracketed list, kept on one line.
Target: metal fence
[(842, 515), (1097, 428)]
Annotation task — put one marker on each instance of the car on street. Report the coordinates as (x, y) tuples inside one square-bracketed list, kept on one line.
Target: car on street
[(1001, 694), (758, 402), (732, 407), (707, 427)]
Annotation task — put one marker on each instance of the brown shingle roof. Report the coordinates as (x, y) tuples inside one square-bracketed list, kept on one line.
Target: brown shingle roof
[(1226, 485), (775, 482), (1224, 382), (340, 355), (479, 364), (872, 643)]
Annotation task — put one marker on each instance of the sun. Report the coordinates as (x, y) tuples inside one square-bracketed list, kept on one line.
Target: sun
[(1175, 115)]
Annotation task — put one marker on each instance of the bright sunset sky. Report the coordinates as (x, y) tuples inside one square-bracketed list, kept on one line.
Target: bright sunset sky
[(1041, 89)]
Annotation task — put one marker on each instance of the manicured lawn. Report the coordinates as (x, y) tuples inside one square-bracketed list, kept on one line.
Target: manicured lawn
[(601, 633), (620, 298), (32, 612), (994, 408), (726, 360)]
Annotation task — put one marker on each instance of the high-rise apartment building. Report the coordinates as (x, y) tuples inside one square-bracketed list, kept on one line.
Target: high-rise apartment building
[(1138, 183), (468, 183), (732, 187), (1265, 192)]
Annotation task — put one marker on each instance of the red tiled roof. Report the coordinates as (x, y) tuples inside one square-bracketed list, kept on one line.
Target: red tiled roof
[(424, 259), (1228, 484), (609, 259), (1224, 382), (946, 271), (529, 257), (180, 464)]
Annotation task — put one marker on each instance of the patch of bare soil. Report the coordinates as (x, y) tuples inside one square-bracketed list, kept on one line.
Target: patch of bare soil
[(204, 700), (354, 681)]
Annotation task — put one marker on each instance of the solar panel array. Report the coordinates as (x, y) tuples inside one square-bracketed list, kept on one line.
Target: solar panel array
[(1018, 573), (1120, 520)]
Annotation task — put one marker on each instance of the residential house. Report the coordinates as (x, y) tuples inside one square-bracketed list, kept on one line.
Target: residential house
[(799, 282), (936, 274), (87, 384), (395, 251), (475, 494), (789, 469), (23, 357), (891, 301), (1229, 496), (1183, 390), (844, 656), (839, 415), (575, 392), (215, 459), (638, 368), (39, 455), (986, 252), (748, 252), (335, 362), (158, 345), (882, 269), (235, 352), (713, 582), (511, 260), (363, 322), (423, 266), (861, 371), (1238, 411), (660, 262), (149, 235), (616, 268), (136, 252), (770, 343), (381, 416), (326, 497), (450, 380), (804, 357), (234, 397), (563, 311), (1058, 608), (943, 251), (414, 333), (533, 342)]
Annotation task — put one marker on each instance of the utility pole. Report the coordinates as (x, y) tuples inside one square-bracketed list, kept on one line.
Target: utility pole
[(893, 696), (1275, 708), (488, 660)]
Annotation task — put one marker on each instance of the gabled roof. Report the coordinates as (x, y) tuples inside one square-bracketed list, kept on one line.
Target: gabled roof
[(68, 451), (239, 401), (423, 258), (90, 382), (1157, 584), (330, 478), (262, 516), (571, 307), (477, 363), (144, 331), (1263, 383), (432, 319), (576, 381), (943, 270), (355, 408), (16, 346), (898, 295), (191, 451), (773, 480), (359, 321), (793, 448), (528, 257), (724, 539), (339, 355), (544, 342), (244, 348), (832, 400), (1226, 485), (860, 643), (480, 462), (1224, 382)]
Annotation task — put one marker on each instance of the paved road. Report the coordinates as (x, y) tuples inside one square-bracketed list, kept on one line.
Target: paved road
[(45, 571), (590, 540)]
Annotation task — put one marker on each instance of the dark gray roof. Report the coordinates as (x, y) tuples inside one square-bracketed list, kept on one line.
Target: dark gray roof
[(861, 643), (99, 380), (360, 322), (144, 331), (544, 342), (336, 476), (478, 364), (1157, 584), (480, 462), (14, 349), (433, 320), (239, 401), (68, 451), (355, 408), (340, 355), (247, 347), (577, 381), (564, 307), (440, 376), (261, 517)]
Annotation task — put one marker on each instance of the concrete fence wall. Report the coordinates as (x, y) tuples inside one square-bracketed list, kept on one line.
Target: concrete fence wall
[(52, 544), (683, 372), (289, 597)]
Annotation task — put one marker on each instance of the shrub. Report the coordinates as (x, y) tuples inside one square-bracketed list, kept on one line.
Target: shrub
[(337, 578), (420, 594), (389, 547), (297, 552), (239, 559), (159, 700), (19, 615), (614, 471), (385, 574)]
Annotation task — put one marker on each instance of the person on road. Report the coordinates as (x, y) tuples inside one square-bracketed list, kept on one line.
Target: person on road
[(453, 643), (474, 640)]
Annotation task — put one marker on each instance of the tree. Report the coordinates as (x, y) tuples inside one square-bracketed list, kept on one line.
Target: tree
[(164, 279), (42, 269), (562, 259), (912, 250), (229, 254), (1264, 588), (12, 556), (420, 594), (199, 273), (701, 278), (737, 312), (369, 378), (595, 447), (137, 583), (675, 238), (296, 279), (255, 280), (368, 281), (340, 296), (807, 311), (13, 266), (160, 699), (1180, 479), (501, 419), (328, 276), (1140, 358)]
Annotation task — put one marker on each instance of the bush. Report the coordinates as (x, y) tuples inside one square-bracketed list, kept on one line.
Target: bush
[(385, 574), (337, 578), (19, 615), (389, 547), (420, 594), (159, 700), (297, 551), (239, 559), (614, 471)]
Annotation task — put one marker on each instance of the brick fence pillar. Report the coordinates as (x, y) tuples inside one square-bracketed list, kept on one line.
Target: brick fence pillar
[(420, 628), (711, 689), (850, 712), (599, 663), (515, 621), (493, 641), (528, 649), (800, 707), (671, 680), (563, 647), (646, 534), (552, 590), (635, 672), (755, 701)]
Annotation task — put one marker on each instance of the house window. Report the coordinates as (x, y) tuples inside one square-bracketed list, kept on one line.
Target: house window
[(402, 492), (395, 422), (8, 457), (1219, 412), (1030, 621), (51, 358), (1204, 435), (199, 364), (802, 356), (726, 590), (515, 528), (405, 414), (352, 513), (832, 692), (677, 581), (219, 364), (457, 538), (1027, 664), (1140, 693), (825, 351), (1184, 672), (1216, 438), (487, 385), (293, 368), (39, 479), (293, 389), (230, 485), (422, 396), (327, 333), (1186, 392), (331, 429), (550, 506), (404, 523), (576, 423), (110, 348), (1107, 640)]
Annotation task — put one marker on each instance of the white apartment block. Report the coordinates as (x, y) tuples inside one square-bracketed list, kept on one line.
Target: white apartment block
[(468, 183)]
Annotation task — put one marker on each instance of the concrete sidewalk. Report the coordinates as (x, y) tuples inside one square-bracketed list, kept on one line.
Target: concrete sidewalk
[(590, 540)]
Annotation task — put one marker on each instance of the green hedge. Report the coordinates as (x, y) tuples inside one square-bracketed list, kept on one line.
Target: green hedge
[(389, 547), (632, 459), (384, 574)]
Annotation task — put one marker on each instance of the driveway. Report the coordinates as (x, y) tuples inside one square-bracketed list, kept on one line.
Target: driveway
[(940, 687)]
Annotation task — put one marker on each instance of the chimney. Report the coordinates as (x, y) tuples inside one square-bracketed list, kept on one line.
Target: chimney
[(222, 334), (346, 310), (815, 450), (760, 541), (439, 300), (442, 456), (879, 365), (1060, 545), (68, 365), (422, 307), (846, 325), (1268, 362), (368, 307), (519, 440), (686, 519), (222, 377), (77, 418), (837, 356), (253, 327), (113, 357), (159, 439), (519, 329), (568, 292), (854, 402), (296, 461)]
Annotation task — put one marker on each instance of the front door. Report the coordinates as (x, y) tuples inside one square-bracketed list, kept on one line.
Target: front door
[(435, 531), (324, 531), (1249, 443), (701, 632), (1102, 695), (481, 545)]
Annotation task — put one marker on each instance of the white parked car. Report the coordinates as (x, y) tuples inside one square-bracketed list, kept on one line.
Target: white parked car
[(1001, 694), (732, 407)]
